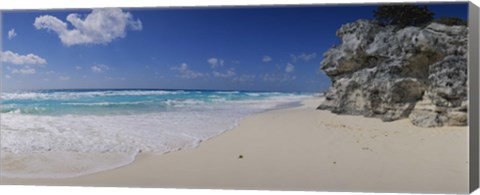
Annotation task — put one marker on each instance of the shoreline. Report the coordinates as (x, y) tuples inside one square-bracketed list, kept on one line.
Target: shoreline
[(105, 161), (302, 148)]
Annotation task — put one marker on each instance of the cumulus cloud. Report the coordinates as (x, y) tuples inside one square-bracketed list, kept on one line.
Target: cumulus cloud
[(116, 78), (227, 74), (245, 78), (101, 26), (15, 58), (8, 76), (215, 62), (64, 78), (24, 71), (78, 68), (278, 77), (303, 56), (289, 68), (266, 59), (99, 68), (186, 73), (12, 34)]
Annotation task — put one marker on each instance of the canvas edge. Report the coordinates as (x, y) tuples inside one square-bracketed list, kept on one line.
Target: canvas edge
[(473, 110), (1, 75), (88, 6)]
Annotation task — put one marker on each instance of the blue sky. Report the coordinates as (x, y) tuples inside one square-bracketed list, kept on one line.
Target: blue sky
[(265, 49)]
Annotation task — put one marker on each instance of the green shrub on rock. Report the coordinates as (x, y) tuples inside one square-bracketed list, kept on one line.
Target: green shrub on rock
[(403, 15), (451, 21)]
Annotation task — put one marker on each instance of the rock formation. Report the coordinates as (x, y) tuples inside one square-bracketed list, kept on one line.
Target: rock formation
[(418, 73)]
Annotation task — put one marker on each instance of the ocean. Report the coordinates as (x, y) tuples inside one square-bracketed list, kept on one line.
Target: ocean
[(126, 121)]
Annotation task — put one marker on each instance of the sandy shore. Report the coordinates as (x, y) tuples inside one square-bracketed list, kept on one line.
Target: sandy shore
[(303, 149)]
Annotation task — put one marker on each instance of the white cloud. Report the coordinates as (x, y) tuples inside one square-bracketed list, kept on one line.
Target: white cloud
[(99, 68), (185, 72), (15, 58), (78, 68), (8, 76), (101, 26), (24, 71), (116, 78), (266, 59), (303, 56), (49, 72), (278, 77), (245, 78), (227, 74), (215, 62), (12, 34), (64, 78), (289, 68)]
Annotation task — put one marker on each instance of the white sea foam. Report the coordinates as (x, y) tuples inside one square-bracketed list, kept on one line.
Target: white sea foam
[(154, 132), (123, 135), (219, 99), (227, 92), (75, 95), (253, 94), (106, 103), (182, 103)]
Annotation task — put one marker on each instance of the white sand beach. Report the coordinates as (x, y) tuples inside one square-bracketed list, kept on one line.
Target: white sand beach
[(303, 149)]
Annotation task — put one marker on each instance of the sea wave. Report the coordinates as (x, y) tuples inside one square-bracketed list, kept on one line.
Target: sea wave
[(152, 131), (253, 94), (155, 132), (227, 92), (192, 120), (105, 103), (183, 102), (64, 95)]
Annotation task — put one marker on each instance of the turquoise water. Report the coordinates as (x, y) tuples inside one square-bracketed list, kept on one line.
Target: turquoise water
[(116, 102), (126, 120)]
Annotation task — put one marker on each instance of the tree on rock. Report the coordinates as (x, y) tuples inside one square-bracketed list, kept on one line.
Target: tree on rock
[(403, 15), (451, 21)]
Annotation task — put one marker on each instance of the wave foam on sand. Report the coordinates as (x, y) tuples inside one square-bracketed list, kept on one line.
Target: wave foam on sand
[(63, 146)]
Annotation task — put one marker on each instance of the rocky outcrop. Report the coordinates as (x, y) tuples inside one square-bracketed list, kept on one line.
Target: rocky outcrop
[(418, 73)]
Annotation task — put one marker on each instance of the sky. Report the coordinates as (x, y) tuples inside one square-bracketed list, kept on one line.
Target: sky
[(242, 48)]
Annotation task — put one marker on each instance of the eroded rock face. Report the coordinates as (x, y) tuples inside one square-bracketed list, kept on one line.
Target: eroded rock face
[(416, 73)]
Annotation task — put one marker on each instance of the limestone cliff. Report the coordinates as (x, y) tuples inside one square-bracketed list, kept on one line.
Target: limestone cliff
[(418, 73)]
